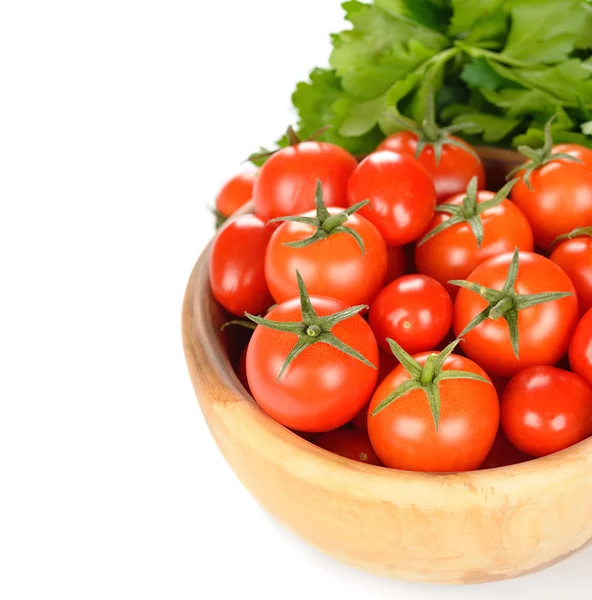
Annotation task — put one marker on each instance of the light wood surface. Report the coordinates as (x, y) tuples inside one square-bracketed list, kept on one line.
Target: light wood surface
[(455, 528)]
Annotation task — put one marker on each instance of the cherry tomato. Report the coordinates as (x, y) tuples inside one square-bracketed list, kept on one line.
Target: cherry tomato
[(387, 362), (235, 193), (560, 199), (237, 260), (286, 182), (454, 252), (545, 410), (575, 258), (580, 349), (581, 152), (457, 166), (503, 454), (323, 388), (404, 435), (401, 194), (333, 267), (544, 330), (351, 443), (414, 310)]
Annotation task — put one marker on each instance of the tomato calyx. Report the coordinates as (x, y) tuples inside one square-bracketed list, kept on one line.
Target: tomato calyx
[(312, 329), (506, 303), (426, 378), (293, 140), (578, 232), (430, 134), (540, 157), (326, 224), (470, 211)]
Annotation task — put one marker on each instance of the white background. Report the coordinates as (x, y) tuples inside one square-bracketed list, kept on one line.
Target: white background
[(119, 120)]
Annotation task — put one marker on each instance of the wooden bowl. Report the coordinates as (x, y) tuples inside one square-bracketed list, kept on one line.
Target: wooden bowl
[(445, 528)]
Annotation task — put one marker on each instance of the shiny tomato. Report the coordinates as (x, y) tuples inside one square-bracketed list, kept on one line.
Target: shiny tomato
[(404, 435), (414, 310), (235, 193), (350, 443), (323, 388), (560, 199), (401, 194), (334, 266), (545, 410), (237, 266), (544, 330), (456, 167), (503, 454), (574, 256), (286, 182), (454, 253), (580, 348)]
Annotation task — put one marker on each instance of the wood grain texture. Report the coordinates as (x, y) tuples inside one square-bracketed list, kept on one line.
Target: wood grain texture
[(453, 528)]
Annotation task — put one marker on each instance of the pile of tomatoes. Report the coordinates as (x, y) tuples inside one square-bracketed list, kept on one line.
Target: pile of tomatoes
[(401, 314)]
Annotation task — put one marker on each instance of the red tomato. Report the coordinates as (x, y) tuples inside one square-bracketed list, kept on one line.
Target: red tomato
[(575, 258), (351, 443), (560, 199), (580, 349), (401, 194), (235, 193), (286, 182), (241, 370), (414, 310), (237, 259), (544, 330), (457, 166), (404, 435), (333, 267), (323, 388), (580, 152), (387, 362), (503, 454), (545, 410), (454, 253), (396, 263)]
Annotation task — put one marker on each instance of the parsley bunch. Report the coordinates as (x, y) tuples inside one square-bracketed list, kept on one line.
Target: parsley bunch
[(505, 66)]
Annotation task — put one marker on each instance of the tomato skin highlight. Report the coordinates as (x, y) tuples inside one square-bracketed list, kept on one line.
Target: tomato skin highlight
[(561, 199), (323, 388), (454, 252), (414, 310), (503, 454), (333, 267), (544, 330), (580, 348), (286, 182), (404, 435), (237, 261), (575, 258), (236, 192), (350, 443), (453, 172), (545, 410), (401, 193)]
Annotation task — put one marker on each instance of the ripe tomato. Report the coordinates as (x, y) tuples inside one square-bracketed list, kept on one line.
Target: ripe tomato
[(581, 152), (545, 410), (404, 435), (351, 443), (456, 167), (574, 256), (414, 310), (503, 454), (544, 330), (235, 193), (323, 388), (580, 349), (237, 259), (401, 194), (334, 266), (560, 199), (286, 182), (454, 253)]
